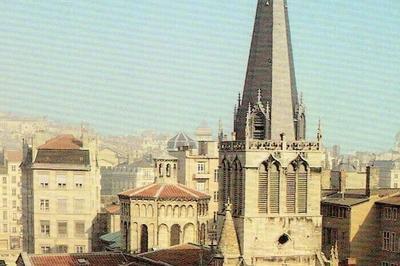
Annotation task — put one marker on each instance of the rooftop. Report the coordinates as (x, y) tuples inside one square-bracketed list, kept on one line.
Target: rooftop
[(163, 191), (73, 259), (13, 155), (395, 200), (112, 209), (181, 140), (62, 142), (182, 255)]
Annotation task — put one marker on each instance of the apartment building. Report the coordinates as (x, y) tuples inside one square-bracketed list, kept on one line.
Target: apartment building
[(10, 206), (61, 195)]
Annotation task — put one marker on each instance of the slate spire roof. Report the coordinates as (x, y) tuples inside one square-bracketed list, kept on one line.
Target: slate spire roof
[(270, 74)]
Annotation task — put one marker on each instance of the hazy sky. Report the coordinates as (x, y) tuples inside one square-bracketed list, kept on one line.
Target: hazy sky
[(167, 65)]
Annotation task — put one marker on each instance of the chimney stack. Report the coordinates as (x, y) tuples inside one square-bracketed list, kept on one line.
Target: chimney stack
[(368, 182), (342, 182)]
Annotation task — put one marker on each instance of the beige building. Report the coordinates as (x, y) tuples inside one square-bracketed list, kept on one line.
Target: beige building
[(351, 220), (164, 213), (10, 207), (197, 164), (61, 195)]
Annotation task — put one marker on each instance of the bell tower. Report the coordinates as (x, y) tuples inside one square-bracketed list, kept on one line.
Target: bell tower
[(268, 171)]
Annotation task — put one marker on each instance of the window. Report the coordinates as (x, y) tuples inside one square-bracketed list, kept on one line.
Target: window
[(45, 228), (62, 229), (385, 263), (14, 192), (13, 168), (5, 191), (200, 186), (389, 213), (14, 204), (61, 182), (79, 205), (79, 228), (44, 181), (4, 180), (62, 249), (45, 249), (389, 241), (5, 215), (79, 181), (201, 168), (62, 205), (215, 196), (4, 203), (14, 229), (14, 179), (216, 175), (14, 216), (5, 228), (79, 249), (44, 205)]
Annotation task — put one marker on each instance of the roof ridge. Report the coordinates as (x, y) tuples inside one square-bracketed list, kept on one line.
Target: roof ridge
[(162, 186), (142, 189), (188, 191)]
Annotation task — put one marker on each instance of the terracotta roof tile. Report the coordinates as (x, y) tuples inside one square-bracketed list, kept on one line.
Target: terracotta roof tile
[(93, 259), (165, 191), (182, 255), (13, 156), (395, 200), (62, 142), (113, 209)]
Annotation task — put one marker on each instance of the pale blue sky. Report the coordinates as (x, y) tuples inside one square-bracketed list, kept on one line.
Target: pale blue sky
[(129, 65)]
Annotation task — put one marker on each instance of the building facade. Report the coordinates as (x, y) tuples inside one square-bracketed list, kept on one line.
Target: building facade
[(197, 166), (269, 172), (10, 208), (61, 195), (388, 212), (164, 213)]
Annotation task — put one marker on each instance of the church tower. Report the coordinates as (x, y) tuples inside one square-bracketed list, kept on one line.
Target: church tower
[(268, 171)]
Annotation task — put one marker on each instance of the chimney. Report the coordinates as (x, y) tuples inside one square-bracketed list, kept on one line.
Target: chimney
[(368, 182), (342, 182)]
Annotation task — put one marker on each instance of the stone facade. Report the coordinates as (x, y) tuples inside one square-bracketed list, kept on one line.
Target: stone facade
[(269, 172), (61, 195), (10, 208), (163, 214)]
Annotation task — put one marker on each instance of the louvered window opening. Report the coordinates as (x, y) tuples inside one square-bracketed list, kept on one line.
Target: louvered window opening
[(290, 190), (302, 192), (259, 127)]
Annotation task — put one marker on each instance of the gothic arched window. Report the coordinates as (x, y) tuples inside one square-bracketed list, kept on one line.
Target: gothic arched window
[(259, 126), (269, 186), (302, 188)]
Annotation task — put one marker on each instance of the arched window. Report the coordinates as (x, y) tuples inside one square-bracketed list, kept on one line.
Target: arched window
[(226, 186), (259, 126), (237, 195), (168, 170), (269, 187), (175, 235), (160, 170), (302, 188), (291, 189), (144, 239)]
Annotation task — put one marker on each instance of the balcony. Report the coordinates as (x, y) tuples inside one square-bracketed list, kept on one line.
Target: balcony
[(202, 176)]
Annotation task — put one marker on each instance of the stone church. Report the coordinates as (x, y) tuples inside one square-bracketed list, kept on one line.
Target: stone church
[(269, 173)]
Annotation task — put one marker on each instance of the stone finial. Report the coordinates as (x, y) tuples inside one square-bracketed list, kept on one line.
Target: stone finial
[(259, 96), (239, 100)]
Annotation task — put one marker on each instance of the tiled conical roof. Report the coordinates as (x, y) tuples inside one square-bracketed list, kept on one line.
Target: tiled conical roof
[(163, 191)]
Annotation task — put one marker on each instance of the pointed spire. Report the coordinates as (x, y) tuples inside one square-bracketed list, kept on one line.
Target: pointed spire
[(270, 72), (319, 131), (301, 98), (220, 130), (228, 242), (268, 110)]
